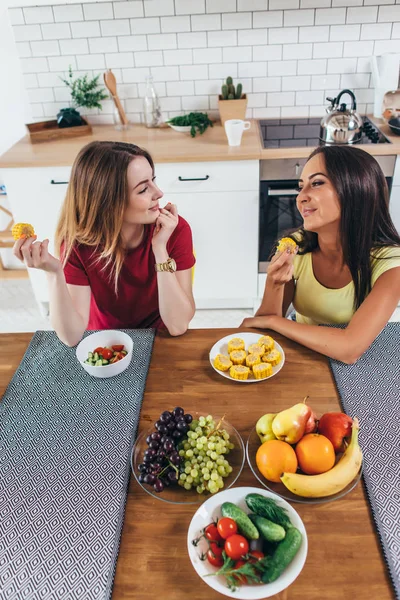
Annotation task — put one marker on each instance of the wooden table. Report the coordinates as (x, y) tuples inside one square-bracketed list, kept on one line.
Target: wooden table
[(344, 557)]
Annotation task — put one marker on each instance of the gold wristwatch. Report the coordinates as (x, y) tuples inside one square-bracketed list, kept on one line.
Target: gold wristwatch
[(169, 265)]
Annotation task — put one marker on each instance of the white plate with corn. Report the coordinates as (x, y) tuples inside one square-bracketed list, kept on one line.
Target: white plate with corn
[(247, 357)]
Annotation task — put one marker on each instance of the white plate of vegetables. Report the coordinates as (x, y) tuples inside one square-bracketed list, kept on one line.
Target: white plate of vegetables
[(247, 543)]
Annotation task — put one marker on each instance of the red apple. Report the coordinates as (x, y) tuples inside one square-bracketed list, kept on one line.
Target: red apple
[(311, 425), (336, 426)]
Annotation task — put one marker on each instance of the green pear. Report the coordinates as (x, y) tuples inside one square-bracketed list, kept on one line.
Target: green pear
[(264, 427), (290, 424)]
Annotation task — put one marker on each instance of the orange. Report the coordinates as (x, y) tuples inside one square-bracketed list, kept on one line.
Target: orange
[(274, 458), (315, 454)]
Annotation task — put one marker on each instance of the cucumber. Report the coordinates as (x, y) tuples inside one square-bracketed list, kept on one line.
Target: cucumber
[(283, 555), (90, 355), (243, 522), (270, 531), (95, 357), (104, 361), (99, 363), (269, 509)]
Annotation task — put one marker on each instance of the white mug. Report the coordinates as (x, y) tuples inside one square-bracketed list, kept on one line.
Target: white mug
[(234, 130)]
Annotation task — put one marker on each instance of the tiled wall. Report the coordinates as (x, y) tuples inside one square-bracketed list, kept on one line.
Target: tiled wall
[(289, 54)]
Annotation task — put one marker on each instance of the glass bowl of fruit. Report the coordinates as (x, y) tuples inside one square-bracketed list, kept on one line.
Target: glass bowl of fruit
[(184, 458)]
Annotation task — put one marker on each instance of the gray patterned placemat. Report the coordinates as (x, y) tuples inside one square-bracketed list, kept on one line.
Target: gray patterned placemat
[(370, 390), (65, 442)]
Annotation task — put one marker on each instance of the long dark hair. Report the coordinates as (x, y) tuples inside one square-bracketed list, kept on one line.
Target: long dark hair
[(365, 223)]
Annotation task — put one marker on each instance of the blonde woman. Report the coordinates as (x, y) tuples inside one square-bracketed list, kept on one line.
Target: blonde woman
[(125, 261)]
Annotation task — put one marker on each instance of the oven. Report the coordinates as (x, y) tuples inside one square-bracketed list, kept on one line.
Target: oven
[(278, 211)]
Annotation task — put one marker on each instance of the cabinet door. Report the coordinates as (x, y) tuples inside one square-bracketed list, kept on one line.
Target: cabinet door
[(36, 196), (225, 239)]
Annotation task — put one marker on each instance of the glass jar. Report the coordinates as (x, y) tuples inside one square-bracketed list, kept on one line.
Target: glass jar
[(151, 105)]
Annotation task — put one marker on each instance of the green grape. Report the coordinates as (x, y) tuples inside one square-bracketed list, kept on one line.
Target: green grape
[(187, 486)]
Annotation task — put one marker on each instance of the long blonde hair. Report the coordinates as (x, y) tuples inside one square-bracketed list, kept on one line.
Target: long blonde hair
[(95, 203)]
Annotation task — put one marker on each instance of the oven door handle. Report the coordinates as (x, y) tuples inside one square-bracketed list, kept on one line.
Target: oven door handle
[(283, 192)]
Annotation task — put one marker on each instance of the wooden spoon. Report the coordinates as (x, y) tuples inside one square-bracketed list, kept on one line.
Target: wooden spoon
[(111, 84)]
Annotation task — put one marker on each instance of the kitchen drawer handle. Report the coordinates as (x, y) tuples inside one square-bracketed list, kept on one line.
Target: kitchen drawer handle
[(53, 182), (194, 178)]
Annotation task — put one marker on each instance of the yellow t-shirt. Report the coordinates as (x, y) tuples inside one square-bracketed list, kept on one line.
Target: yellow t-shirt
[(315, 304)]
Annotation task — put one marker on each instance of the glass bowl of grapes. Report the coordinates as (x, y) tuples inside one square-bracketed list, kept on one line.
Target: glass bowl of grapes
[(185, 457)]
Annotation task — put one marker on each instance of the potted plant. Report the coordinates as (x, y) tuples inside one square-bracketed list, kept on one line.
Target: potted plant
[(85, 93), (232, 103)]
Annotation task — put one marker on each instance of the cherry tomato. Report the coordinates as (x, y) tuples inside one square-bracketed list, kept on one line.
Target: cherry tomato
[(214, 555), (241, 579), (119, 356), (107, 353), (236, 546), (226, 527), (211, 533), (99, 350), (118, 347), (255, 555)]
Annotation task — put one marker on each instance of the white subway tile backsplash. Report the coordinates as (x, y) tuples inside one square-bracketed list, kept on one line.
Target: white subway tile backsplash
[(317, 111), (195, 102), (252, 69), (197, 39), (127, 43), (178, 57), (389, 13), (24, 49), (363, 65), (34, 65), (190, 7), (16, 16), (51, 108), (354, 80), (56, 31), (282, 4), (307, 98), (382, 46), (365, 14), (205, 22), (330, 16), (315, 3), (328, 49), (49, 48), (38, 14), (175, 24), (314, 34), (299, 83), (266, 113), (207, 87), (271, 18), (347, 3), (324, 82), (364, 95), (396, 31), (342, 65), (50, 79), (60, 63), (254, 37), (172, 103), (75, 46), (215, 6), (292, 18), (30, 80), (299, 51), (68, 13), (311, 67), (180, 88), (280, 35), (282, 67), (115, 27), (119, 60), (345, 33), (358, 48), (83, 29), (236, 20), (203, 56), (91, 61), (290, 112), (221, 38), (98, 10), (223, 70), (126, 10), (137, 75), (280, 98), (149, 59), (256, 100), (162, 41), (165, 73), (268, 53), (61, 94), (27, 33), (237, 54), (192, 72), (252, 5), (142, 26), (158, 8), (134, 105), (376, 31)]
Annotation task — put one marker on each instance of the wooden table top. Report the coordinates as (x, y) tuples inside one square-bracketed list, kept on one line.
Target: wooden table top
[(344, 556)]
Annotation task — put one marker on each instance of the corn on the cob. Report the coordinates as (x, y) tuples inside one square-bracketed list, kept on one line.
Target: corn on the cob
[(267, 342), (262, 370), (222, 362), (20, 230), (273, 357), (286, 244), (256, 349), (239, 372), (253, 359), (238, 357), (235, 344)]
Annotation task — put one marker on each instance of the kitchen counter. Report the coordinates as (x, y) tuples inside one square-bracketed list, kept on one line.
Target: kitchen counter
[(168, 146)]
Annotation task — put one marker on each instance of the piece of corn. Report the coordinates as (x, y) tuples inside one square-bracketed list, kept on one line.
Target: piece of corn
[(253, 359), (235, 344), (20, 230), (239, 372), (262, 370), (238, 357), (273, 357), (256, 349), (286, 244), (267, 342), (222, 362)]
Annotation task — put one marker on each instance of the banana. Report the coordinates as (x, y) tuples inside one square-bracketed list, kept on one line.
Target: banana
[(333, 481)]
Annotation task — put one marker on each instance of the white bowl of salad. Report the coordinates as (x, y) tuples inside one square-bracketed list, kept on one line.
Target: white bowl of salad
[(105, 353)]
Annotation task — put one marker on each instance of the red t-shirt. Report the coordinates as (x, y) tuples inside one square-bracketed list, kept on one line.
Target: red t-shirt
[(136, 305)]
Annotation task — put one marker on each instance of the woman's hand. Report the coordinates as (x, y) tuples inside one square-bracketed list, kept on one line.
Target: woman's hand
[(36, 255), (256, 322), (165, 225), (280, 270)]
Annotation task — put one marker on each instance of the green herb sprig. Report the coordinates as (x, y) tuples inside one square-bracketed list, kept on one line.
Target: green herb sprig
[(198, 122), (84, 91)]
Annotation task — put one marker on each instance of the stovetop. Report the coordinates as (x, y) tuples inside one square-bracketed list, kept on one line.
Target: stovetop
[(295, 133)]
